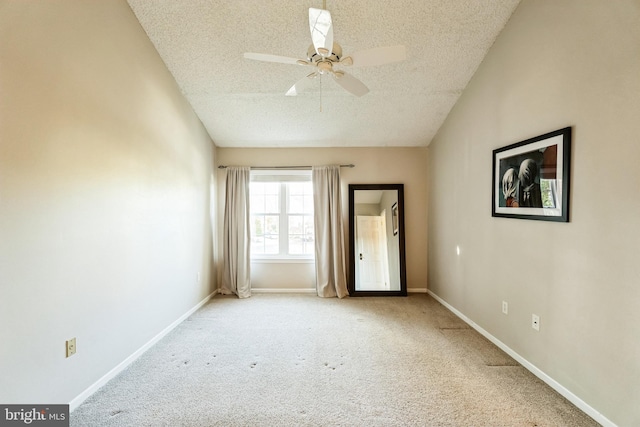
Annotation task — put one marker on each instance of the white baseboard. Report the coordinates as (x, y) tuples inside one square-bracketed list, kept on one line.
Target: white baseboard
[(579, 403), (283, 291), (77, 401), (313, 291)]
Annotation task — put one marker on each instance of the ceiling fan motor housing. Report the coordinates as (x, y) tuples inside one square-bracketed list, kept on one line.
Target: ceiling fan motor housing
[(314, 57)]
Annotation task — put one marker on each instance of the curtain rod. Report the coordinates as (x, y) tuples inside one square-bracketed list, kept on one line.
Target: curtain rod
[(286, 167)]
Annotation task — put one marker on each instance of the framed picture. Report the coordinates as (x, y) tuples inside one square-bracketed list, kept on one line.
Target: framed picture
[(531, 178), (394, 218)]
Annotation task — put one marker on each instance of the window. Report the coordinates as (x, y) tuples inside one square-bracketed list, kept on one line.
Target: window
[(548, 193), (281, 215)]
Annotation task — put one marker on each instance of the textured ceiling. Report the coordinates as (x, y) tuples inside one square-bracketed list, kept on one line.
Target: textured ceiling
[(242, 104)]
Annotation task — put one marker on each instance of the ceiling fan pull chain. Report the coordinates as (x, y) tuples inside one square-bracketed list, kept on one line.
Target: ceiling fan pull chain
[(321, 93)]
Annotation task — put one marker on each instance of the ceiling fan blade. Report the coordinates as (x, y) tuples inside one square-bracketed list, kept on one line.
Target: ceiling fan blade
[(350, 83), (301, 84), (274, 58), (321, 31), (379, 56)]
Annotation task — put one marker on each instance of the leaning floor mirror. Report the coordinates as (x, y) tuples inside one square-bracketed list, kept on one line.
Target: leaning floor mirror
[(376, 240)]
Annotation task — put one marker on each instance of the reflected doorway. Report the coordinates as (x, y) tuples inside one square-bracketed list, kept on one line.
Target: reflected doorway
[(372, 264)]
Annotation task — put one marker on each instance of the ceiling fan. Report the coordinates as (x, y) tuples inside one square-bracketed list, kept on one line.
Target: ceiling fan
[(323, 54)]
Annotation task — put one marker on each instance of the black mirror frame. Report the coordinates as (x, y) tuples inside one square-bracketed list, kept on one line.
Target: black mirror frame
[(401, 240)]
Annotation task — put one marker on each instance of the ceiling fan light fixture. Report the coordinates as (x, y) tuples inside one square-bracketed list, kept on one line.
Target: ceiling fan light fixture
[(325, 66)]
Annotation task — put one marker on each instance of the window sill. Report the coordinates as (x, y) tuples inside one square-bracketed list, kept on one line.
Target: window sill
[(282, 260)]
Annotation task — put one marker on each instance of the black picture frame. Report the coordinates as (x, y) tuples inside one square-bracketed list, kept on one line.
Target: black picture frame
[(531, 178)]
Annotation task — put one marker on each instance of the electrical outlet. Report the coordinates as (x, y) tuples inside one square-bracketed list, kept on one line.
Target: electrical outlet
[(505, 307), (198, 277), (71, 347), (535, 322)]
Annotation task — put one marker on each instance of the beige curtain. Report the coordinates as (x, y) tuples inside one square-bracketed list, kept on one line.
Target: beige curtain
[(236, 275), (331, 278)]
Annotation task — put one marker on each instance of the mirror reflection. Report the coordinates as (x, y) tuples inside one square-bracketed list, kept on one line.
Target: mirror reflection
[(377, 240)]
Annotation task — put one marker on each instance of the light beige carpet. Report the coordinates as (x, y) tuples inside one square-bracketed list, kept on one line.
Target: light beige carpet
[(300, 360)]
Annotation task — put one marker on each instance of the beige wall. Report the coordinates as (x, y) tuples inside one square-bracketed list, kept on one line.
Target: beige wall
[(406, 166), (557, 63), (105, 180)]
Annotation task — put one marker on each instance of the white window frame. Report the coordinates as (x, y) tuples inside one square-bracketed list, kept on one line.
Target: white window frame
[(283, 177)]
